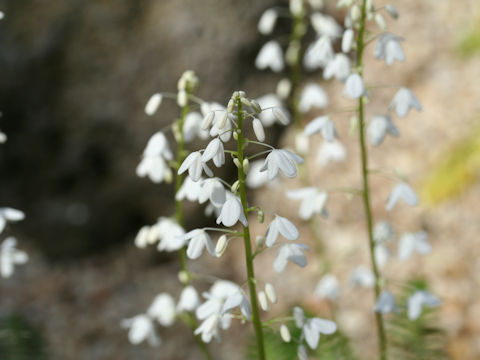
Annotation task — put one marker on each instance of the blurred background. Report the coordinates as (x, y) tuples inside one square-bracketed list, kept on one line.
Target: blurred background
[(76, 76)]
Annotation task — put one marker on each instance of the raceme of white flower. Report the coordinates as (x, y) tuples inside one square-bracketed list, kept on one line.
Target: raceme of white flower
[(388, 48), (323, 125), (379, 127), (290, 252), (328, 287), (331, 151), (270, 56), (386, 303), (362, 276), (402, 191), (313, 96), (8, 214), (413, 242), (313, 202), (403, 101), (312, 327), (267, 22), (10, 256), (280, 226), (418, 300)]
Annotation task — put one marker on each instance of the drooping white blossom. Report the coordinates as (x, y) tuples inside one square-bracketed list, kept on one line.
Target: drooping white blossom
[(189, 190), (325, 25), (388, 48), (189, 299), (170, 234), (232, 212), (194, 164), (339, 68), (154, 159), (270, 56), (267, 21), (418, 300), (8, 214), (255, 177), (318, 54), (212, 190), (141, 329), (402, 191), (362, 276), (403, 101), (192, 127), (354, 87), (313, 96), (383, 232), (237, 299), (313, 201), (312, 327), (290, 252), (379, 127), (331, 151), (323, 125), (162, 309), (10, 256), (411, 243), (281, 160), (199, 239), (328, 287), (215, 151), (386, 303), (280, 226), (268, 101)]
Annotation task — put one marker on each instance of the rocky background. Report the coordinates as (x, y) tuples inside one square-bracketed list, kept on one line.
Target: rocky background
[(76, 76)]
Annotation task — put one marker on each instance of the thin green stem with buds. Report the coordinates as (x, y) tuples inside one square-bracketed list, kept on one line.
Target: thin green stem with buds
[(366, 192), (257, 324)]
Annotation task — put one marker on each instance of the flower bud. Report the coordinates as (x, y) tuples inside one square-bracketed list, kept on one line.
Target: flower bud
[(271, 293), (284, 87), (235, 135), (260, 216), (221, 245), (380, 21), (237, 163), (285, 333), (293, 50), (222, 121), (182, 98), (355, 13), (235, 186), (183, 277), (230, 105), (391, 11), (262, 299), (168, 176), (280, 116), (259, 240), (176, 131), (256, 106), (241, 93), (246, 166), (246, 102), (207, 120), (258, 130), (153, 104)]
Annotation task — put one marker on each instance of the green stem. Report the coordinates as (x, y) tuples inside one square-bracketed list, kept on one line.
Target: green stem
[(366, 192), (257, 324)]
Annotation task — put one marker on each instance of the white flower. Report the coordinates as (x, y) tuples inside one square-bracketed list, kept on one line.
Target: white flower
[(141, 328), (237, 299), (413, 242), (158, 146), (232, 211), (381, 254), (267, 22), (325, 25), (188, 299), (318, 54), (385, 303), (321, 124), (313, 96), (268, 101), (198, 239), (361, 276), (338, 67), (313, 327), (222, 126), (214, 151), (418, 300), (403, 101), (153, 163), (3, 137), (170, 234), (328, 287), (10, 256), (255, 177), (283, 160), (392, 11), (347, 40), (194, 164), (9, 214), (379, 126), (292, 252), (153, 103), (162, 309), (296, 7), (383, 232), (302, 352), (354, 87), (283, 226), (388, 48), (331, 151), (270, 56), (192, 127), (280, 116), (213, 190), (313, 201), (189, 190), (402, 191)]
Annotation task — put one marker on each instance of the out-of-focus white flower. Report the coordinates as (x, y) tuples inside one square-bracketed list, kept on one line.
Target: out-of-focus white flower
[(385, 303), (232, 212), (9, 214), (402, 191), (413, 242), (255, 177), (328, 288), (162, 309), (192, 127), (283, 160), (381, 254), (354, 87), (347, 40), (296, 7), (153, 104), (313, 96), (282, 226), (344, 3), (383, 232), (215, 151), (153, 163), (194, 164), (267, 21), (199, 239), (379, 127), (3, 137), (321, 124), (338, 67), (189, 299), (302, 352), (331, 151), (10, 256), (312, 327), (318, 54), (362, 276), (403, 101), (313, 201), (270, 56), (418, 300), (280, 116), (189, 190), (388, 48), (292, 252), (141, 329), (392, 11), (237, 299), (170, 234), (213, 190), (266, 102), (325, 25)]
